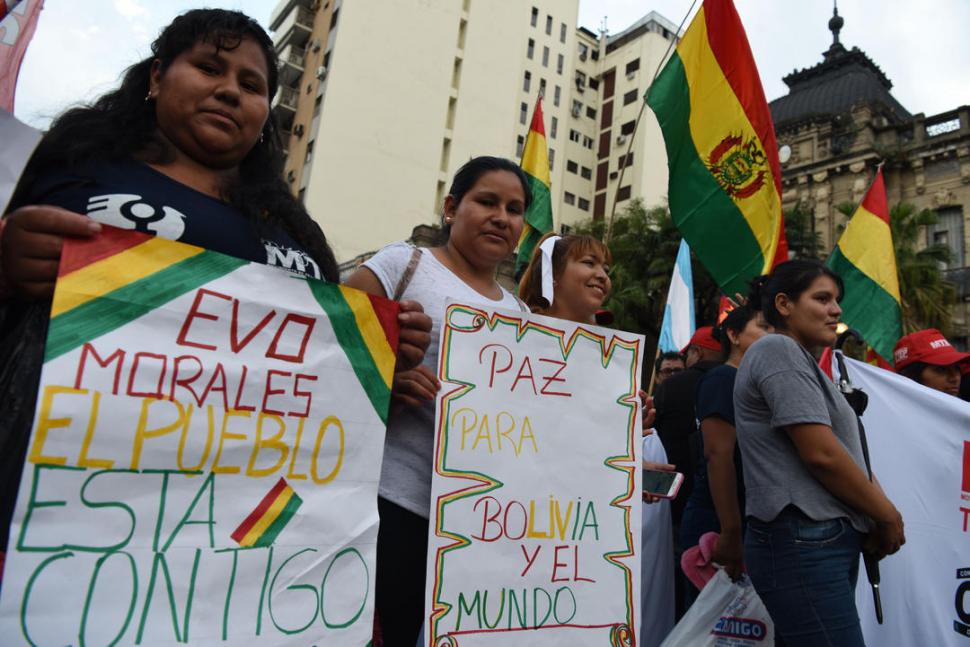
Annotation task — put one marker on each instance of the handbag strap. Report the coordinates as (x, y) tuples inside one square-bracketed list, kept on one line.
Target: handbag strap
[(408, 274)]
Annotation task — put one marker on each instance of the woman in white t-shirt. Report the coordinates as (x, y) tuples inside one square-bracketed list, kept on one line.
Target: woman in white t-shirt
[(483, 218)]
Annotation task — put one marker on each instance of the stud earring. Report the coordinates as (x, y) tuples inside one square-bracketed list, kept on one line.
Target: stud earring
[(148, 97)]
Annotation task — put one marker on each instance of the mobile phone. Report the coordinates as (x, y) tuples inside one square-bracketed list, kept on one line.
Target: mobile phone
[(662, 484)]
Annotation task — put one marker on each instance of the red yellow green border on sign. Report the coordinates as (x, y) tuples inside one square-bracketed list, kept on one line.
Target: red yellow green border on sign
[(482, 483)]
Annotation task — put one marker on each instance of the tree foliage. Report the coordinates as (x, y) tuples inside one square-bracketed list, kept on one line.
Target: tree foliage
[(927, 299), (644, 248), (803, 240)]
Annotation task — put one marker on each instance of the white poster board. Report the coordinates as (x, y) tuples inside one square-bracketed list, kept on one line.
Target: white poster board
[(205, 454), (536, 494)]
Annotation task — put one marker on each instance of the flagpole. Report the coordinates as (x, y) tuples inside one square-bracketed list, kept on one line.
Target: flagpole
[(608, 235)]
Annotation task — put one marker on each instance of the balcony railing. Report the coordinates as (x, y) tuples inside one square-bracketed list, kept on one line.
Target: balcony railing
[(295, 28), (286, 98)]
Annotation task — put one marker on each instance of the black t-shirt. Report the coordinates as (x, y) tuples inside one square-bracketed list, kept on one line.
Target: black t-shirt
[(133, 195), (677, 426), (715, 397)]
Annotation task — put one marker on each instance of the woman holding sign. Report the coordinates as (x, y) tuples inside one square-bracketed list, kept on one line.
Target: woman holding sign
[(186, 149), (810, 505), (568, 277), (483, 218)]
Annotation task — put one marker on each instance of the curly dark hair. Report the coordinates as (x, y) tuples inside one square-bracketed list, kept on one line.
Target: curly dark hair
[(121, 124)]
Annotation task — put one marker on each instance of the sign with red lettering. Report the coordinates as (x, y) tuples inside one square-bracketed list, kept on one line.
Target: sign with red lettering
[(205, 454), (535, 520)]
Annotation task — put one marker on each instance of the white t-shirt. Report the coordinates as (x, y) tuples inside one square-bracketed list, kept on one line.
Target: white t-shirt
[(409, 444)]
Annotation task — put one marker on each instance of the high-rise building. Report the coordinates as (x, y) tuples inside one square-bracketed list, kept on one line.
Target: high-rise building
[(382, 102)]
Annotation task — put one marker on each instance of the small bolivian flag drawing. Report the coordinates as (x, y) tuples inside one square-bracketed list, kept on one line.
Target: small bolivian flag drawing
[(269, 518)]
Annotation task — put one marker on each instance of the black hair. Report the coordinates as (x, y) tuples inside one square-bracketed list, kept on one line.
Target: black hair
[(914, 371), (791, 278), (735, 321), (121, 124), (470, 172), (668, 355)]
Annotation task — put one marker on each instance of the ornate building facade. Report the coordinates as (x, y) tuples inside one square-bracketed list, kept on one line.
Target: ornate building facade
[(840, 121)]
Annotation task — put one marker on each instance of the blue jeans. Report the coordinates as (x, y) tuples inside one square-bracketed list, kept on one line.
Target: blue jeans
[(805, 572)]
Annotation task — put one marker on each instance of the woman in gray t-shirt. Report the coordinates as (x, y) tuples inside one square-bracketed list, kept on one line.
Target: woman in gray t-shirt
[(810, 505)]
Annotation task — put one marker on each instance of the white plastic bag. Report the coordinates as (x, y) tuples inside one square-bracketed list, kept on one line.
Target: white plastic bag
[(725, 614)]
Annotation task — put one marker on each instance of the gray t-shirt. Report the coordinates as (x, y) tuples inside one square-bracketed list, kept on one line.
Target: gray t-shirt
[(779, 384), (409, 444)]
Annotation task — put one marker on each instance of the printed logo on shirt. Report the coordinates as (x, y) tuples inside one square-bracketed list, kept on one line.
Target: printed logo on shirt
[(291, 259), (128, 211)]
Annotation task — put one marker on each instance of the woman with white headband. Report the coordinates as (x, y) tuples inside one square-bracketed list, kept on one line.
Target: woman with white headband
[(568, 278)]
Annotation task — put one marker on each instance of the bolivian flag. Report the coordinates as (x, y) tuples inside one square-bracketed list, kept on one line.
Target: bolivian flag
[(866, 260), (535, 163), (725, 180), (269, 518)]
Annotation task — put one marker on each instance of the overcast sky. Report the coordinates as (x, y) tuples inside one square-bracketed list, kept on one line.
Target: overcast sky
[(81, 48)]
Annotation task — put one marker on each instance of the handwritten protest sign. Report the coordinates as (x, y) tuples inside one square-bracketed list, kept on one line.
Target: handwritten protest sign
[(535, 525), (204, 459)]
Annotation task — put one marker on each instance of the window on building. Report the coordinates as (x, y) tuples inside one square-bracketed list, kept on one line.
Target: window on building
[(523, 112), (577, 108), (545, 56), (623, 193), (572, 167), (630, 96), (609, 81), (552, 158), (569, 198), (584, 204), (627, 128), (527, 81), (586, 173), (562, 32), (554, 127), (588, 142), (574, 135), (595, 55), (560, 61), (556, 96), (530, 52), (583, 51), (535, 16), (326, 60), (549, 25), (542, 86), (593, 84), (580, 81), (333, 19), (591, 112), (948, 231), (519, 145), (316, 104), (633, 66), (625, 160), (309, 152)]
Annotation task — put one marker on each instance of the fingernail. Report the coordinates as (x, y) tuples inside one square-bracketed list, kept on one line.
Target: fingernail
[(94, 227)]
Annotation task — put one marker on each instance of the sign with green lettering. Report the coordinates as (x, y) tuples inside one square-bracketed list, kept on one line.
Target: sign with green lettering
[(536, 493), (204, 457)]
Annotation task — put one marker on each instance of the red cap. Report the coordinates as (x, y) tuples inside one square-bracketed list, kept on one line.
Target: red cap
[(928, 346), (703, 337)]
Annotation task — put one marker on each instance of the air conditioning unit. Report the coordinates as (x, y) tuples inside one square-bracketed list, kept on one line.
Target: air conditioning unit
[(290, 176), (576, 111), (321, 72), (298, 130), (621, 139), (315, 45), (630, 76)]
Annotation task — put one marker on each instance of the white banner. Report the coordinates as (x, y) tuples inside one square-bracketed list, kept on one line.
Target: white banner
[(919, 442), (536, 495)]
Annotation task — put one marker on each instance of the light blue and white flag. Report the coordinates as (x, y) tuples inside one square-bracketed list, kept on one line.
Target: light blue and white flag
[(678, 324)]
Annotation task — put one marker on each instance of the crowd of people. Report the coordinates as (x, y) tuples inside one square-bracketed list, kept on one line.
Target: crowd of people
[(769, 447)]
